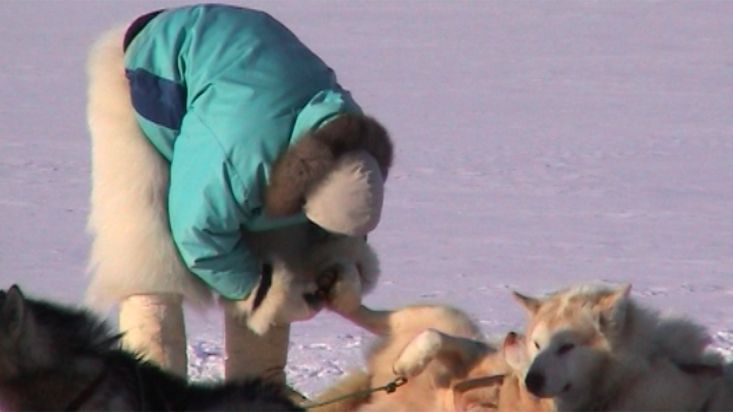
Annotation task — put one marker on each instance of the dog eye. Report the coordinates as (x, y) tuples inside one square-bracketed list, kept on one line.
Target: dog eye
[(565, 348), (536, 345)]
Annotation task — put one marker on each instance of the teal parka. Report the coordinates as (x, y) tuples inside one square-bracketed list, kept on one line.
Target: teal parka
[(221, 91)]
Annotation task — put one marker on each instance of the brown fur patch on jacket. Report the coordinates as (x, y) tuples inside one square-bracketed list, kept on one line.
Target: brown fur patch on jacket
[(309, 160)]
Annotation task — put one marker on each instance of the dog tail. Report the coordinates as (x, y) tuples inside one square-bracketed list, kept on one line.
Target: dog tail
[(355, 381), (132, 249)]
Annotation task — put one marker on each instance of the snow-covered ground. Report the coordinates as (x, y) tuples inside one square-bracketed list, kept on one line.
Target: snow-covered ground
[(538, 144)]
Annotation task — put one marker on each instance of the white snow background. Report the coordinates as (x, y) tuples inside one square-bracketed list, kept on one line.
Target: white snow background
[(538, 144)]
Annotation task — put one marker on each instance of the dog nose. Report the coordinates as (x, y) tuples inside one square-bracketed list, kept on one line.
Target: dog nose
[(534, 382)]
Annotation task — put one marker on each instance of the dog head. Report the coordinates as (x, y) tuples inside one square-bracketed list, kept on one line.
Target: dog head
[(305, 263), (36, 335), (570, 335), (496, 383)]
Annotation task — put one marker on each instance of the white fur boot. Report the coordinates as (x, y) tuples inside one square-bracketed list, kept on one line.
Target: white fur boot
[(250, 354), (153, 326)]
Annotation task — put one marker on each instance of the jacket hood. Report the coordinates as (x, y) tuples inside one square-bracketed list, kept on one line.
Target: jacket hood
[(309, 160)]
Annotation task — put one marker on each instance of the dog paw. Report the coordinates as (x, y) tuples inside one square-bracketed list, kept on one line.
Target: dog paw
[(417, 354)]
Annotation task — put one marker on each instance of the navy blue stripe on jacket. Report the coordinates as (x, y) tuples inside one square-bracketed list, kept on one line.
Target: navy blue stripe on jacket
[(158, 100)]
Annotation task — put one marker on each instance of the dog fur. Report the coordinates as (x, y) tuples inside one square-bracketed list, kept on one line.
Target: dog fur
[(309, 160), (593, 347), (59, 358), (448, 365), (305, 261)]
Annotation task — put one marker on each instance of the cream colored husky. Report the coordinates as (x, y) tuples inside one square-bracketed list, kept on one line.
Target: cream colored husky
[(593, 348), (447, 363)]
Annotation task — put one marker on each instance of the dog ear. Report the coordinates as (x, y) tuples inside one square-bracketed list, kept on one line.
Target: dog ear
[(610, 310), (514, 350), (13, 312), (532, 305)]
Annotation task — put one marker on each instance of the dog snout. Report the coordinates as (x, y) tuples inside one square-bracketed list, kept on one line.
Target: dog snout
[(535, 382)]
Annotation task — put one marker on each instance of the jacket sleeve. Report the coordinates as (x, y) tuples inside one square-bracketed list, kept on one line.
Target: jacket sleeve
[(205, 216)]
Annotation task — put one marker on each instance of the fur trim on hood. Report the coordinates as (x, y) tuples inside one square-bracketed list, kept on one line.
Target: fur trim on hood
[(309, 160)]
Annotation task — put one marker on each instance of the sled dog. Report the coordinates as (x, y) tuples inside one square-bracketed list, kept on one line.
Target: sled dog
[(305, 261), (447, 363), (59, 358), (594, 348)]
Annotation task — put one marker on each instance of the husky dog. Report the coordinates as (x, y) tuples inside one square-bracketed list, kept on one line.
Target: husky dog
[(305, 261), (59, 358), (593, 348), (441, 352)]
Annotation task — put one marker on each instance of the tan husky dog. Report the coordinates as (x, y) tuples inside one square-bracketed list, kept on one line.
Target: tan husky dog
[(593, 348), (441, 352)]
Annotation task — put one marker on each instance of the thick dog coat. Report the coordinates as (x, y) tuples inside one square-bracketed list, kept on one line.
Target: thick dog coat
[(448, 365), (593, 348), (59, 358)]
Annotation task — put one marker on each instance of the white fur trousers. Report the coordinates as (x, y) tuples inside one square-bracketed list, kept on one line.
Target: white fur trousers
[(132, 249), (153, 326)]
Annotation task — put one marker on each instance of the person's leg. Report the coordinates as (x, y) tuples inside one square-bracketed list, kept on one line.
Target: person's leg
[(153, 326), (249, 354)]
